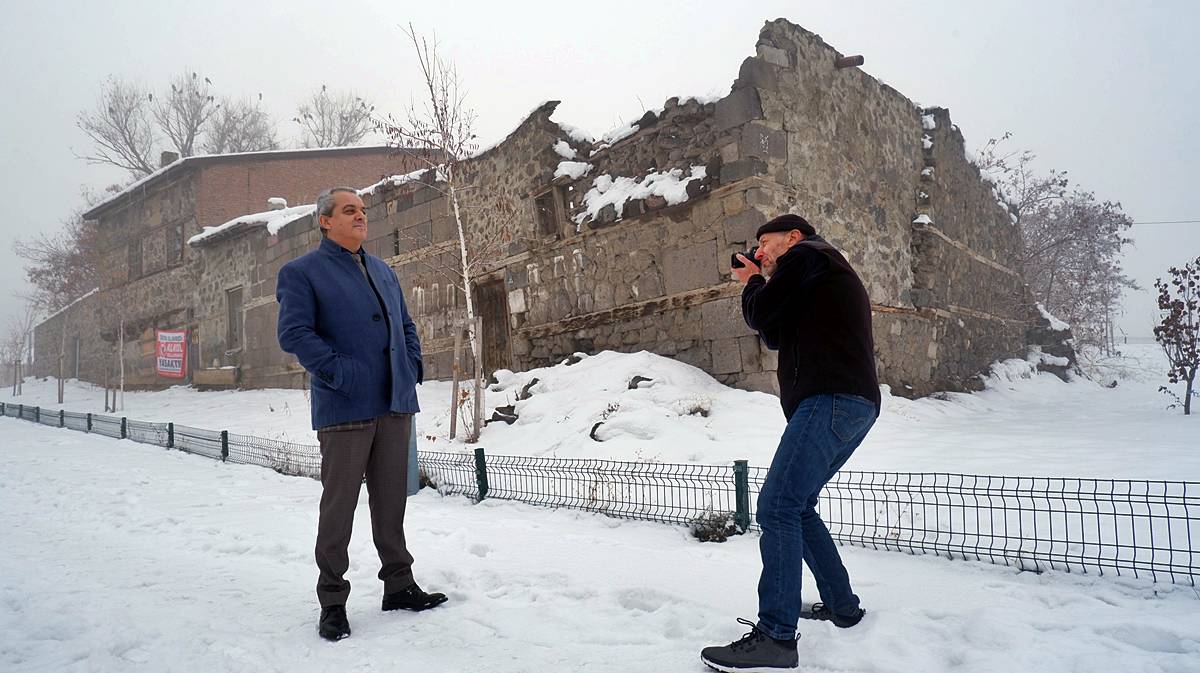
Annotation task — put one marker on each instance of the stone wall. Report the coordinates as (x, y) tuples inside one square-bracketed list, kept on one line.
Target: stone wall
[(181, 286), (882, 179), (795, 134)]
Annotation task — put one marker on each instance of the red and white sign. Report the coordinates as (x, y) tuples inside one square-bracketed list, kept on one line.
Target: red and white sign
[(171, 353)]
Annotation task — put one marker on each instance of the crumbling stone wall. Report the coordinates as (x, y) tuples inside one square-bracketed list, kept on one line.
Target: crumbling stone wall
[(882, 179), (795, 134)]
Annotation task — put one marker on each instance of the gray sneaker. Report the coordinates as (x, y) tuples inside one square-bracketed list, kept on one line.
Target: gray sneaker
[(820, 611), (755, 652)]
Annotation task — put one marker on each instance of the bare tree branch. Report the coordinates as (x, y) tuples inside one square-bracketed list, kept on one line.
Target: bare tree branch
[(334, 119), (240, 126), (120, 127), (61, 266), (1071, 242), (183, 111)]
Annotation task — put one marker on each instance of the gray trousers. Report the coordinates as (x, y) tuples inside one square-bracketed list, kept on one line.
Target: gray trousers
[(377, 449)]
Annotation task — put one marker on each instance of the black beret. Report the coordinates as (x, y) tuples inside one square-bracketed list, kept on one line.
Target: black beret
[(787, 222)]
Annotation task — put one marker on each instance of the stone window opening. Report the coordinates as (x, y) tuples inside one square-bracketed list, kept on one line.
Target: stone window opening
[(395, 242), (175, 242), (135, 259), (235, 320), (547, 207)]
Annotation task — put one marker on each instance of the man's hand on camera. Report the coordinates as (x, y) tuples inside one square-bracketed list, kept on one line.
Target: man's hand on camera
[(743, 274)]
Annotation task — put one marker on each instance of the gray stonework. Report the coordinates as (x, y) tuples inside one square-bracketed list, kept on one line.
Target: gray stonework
[(794, 134), (150, 278)]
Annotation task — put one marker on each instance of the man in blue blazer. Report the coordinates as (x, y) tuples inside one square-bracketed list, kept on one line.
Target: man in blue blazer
[(342, 314)]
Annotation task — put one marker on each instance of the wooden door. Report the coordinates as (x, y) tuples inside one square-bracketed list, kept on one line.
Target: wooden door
[(491, 304)]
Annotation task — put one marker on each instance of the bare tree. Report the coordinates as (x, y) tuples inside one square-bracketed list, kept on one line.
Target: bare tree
[(62, 269), (183, 112), (240, 125), (334, 119), (1071, 242), (441, 134), (120, 127), (1178, 332), (17, 342), (61, 266)]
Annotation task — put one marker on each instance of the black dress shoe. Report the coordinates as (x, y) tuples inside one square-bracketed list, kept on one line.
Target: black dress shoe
[(412, 598), (333, 624)]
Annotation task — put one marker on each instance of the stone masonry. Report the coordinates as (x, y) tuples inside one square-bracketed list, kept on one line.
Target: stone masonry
[(624, 243)]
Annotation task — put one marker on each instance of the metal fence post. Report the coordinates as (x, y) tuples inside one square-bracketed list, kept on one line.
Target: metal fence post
[(62, 418), (481, 473), (89, 422), (20, 412), (37, 414), (741, 486), (170, 435), (224, 445), (124, 428)]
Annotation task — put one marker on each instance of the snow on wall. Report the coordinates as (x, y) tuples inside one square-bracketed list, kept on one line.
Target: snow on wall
[(606, 190)]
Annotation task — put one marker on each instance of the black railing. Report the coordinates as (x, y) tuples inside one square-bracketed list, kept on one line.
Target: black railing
[(1126, 527)]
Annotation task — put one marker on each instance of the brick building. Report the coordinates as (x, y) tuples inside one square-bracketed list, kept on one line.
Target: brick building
[(149, 276)]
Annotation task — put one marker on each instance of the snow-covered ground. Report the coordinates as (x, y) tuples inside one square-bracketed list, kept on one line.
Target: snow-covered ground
[(1022, 425), (126, 557)]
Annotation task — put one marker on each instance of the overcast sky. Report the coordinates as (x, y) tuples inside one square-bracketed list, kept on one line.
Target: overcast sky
[(1108, 91)]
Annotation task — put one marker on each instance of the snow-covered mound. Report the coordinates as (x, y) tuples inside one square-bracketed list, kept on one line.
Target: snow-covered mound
[(623, 406), (1023, 423)]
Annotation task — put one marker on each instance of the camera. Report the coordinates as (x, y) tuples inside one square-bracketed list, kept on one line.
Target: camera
[(737, 263)]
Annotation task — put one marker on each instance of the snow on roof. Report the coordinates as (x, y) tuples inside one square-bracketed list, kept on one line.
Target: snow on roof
[(394, 181), (606, 190), (179, 163), (61, 310), (573, 169), (537, 108), (1055, 324), (564, 150), (274, 220), (615, 135)]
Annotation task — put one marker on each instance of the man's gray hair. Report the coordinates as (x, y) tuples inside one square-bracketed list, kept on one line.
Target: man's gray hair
[(325, 203)]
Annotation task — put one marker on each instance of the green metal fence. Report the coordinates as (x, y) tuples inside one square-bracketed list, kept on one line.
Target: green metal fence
[(1127, 527)]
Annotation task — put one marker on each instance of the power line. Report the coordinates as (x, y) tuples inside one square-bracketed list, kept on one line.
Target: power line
[(1171, 222)]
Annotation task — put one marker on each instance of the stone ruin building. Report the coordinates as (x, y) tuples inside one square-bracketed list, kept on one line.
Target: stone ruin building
[(623, 243)]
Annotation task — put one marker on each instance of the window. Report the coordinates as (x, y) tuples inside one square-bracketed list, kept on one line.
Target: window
[(395, 242), (233, 303), (547, 212), (175, 242), (135, 260)]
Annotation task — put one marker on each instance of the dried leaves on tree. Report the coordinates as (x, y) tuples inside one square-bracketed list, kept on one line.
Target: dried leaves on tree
[(1178, 331)]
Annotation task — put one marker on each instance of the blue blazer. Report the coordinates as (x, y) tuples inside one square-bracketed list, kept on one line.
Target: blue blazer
[(362, 363)]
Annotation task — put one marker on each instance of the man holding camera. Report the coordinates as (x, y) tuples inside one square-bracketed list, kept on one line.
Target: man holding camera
[(807, 303)]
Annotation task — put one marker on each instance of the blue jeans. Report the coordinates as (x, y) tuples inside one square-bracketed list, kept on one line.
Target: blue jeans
[(821, 435)]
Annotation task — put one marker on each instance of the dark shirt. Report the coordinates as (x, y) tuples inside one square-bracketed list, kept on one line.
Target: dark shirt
[(815, 311)]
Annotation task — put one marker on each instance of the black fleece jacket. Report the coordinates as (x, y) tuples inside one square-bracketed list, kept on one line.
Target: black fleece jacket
[(815, 311)]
